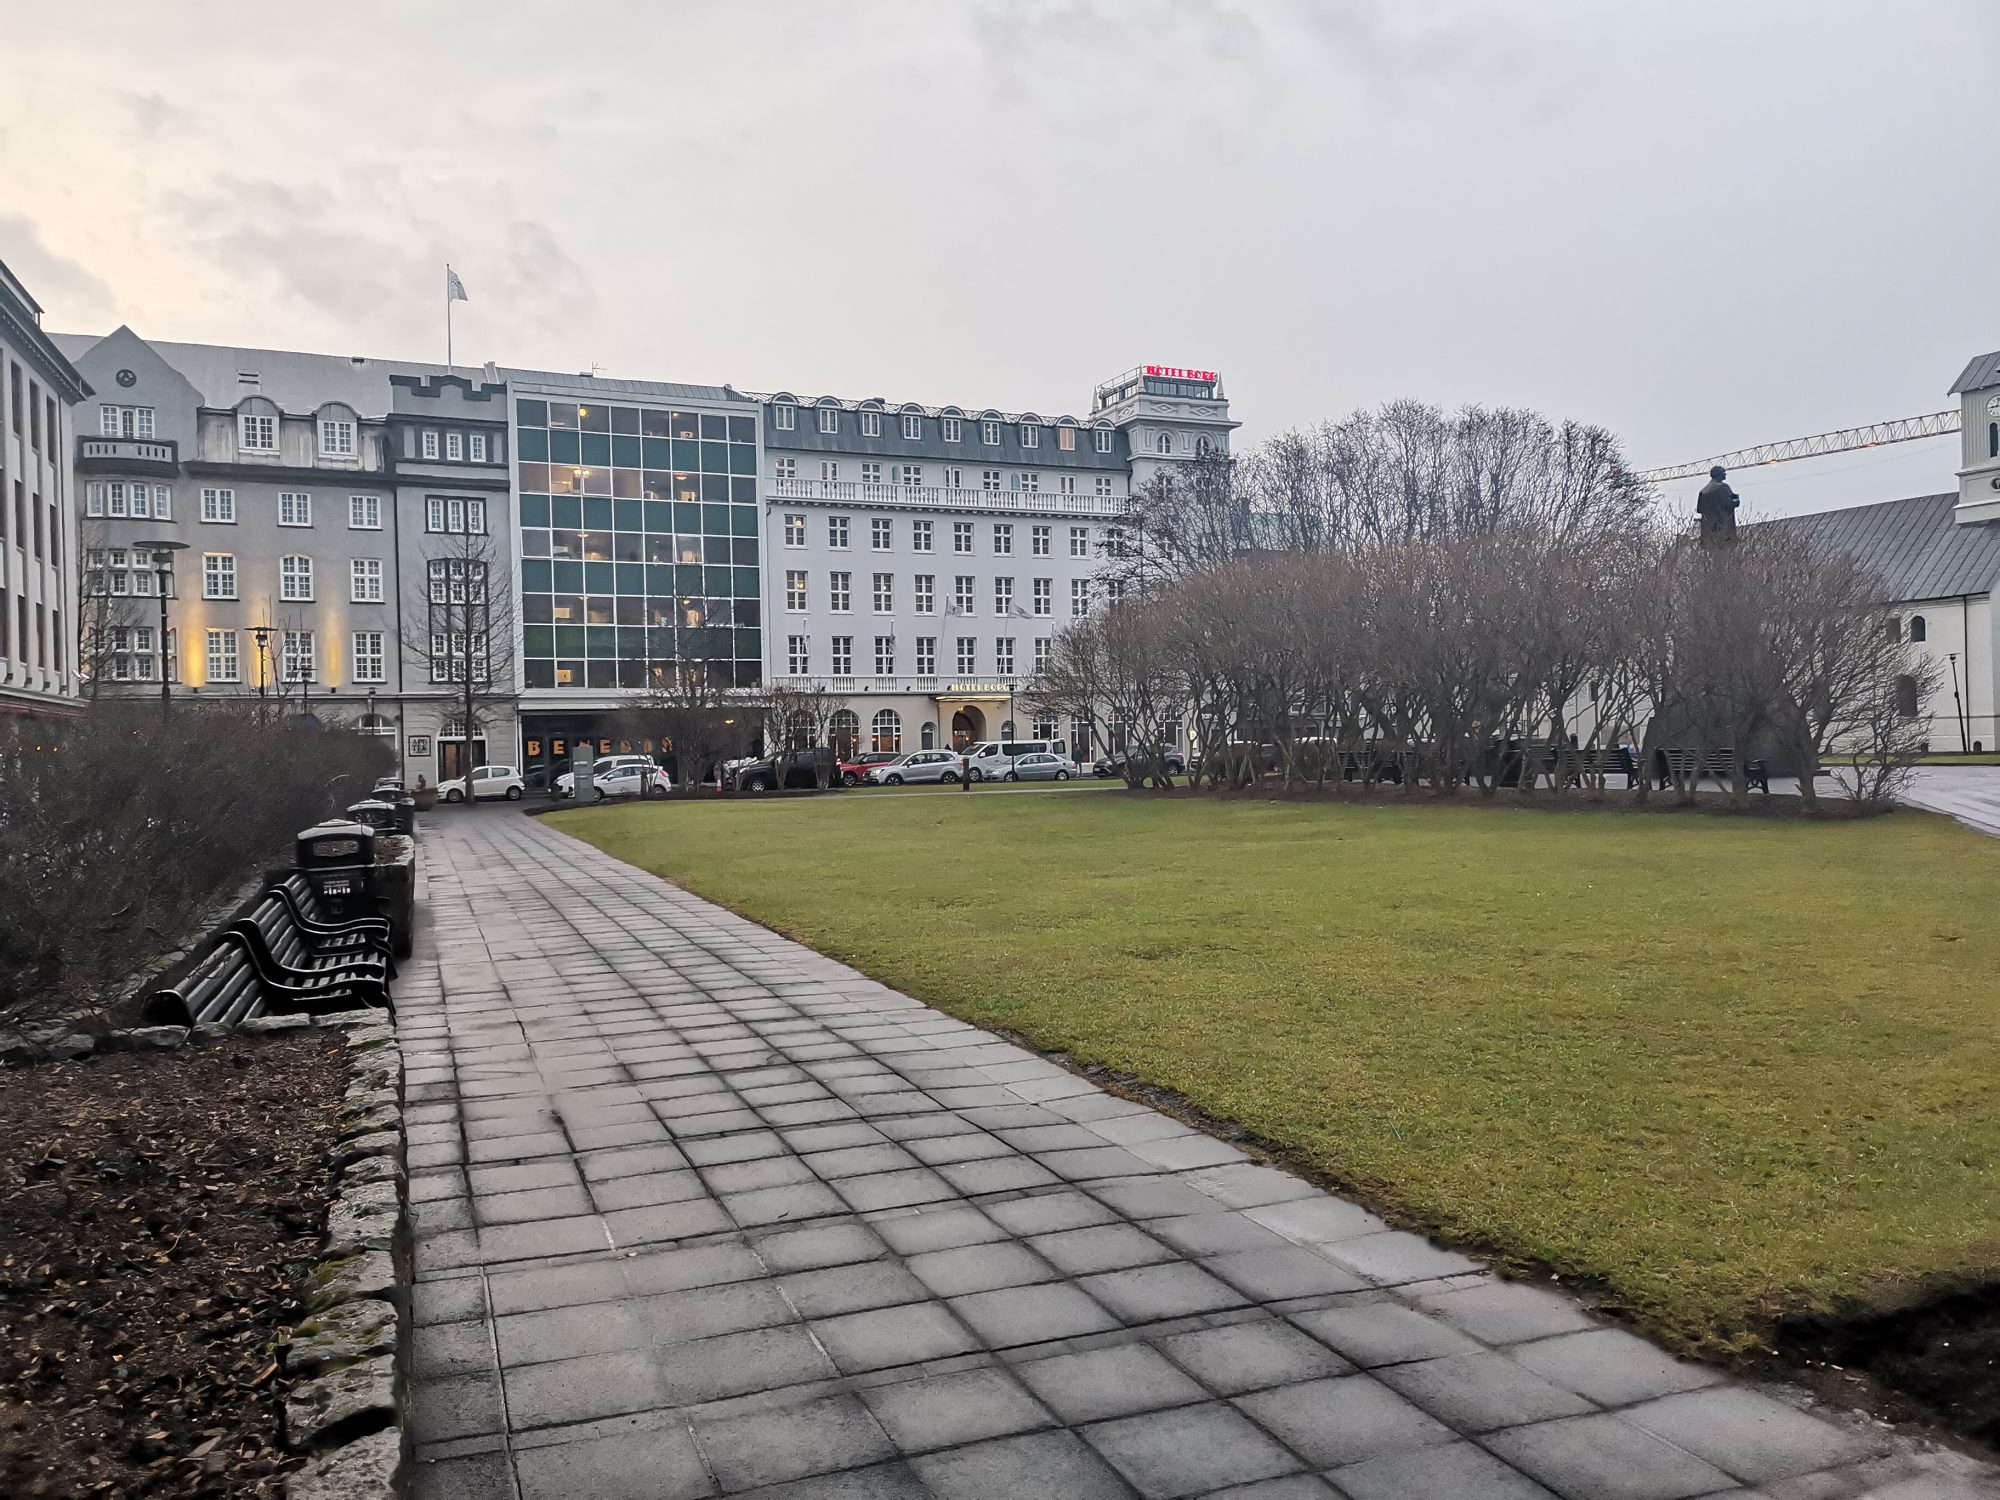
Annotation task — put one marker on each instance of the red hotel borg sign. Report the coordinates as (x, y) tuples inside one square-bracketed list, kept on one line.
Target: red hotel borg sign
[(1172, 372)]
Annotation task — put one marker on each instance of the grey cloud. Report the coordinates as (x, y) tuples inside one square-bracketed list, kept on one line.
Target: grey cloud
[(67, 288)]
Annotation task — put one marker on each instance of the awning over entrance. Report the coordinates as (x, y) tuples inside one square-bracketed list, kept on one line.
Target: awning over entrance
[(971, 712)]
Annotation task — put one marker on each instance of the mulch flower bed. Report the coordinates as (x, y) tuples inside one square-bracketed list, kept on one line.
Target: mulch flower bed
[(158, 1213)]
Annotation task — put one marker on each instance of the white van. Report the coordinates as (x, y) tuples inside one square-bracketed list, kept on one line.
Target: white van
[(991, 760)]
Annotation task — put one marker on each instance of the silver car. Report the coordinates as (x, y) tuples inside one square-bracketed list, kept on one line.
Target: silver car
[(917, 766), (1038, 768), (630, 781)]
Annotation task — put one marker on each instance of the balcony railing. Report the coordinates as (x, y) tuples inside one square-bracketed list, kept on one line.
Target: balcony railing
[(128, 452), (938, 497), (983, 685)]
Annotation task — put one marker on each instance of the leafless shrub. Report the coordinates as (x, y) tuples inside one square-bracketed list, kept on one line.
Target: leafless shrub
[(120, 829)]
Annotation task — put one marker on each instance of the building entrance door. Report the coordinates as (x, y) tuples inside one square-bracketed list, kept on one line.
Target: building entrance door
[(968, 727), (451, 757)]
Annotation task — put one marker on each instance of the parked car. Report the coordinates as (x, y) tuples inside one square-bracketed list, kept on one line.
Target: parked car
[(630, 781), (802, 770), (604, 765), (1142, 760), (1037, 767), (990, 760), (917, 766), (487, 781), (855, 768)]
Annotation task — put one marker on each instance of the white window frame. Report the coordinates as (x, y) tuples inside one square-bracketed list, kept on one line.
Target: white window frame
[(1067, 484), (968, 655), (1003, 656), (1040, 539), (1003, 539), (1045, 597), (1028, 481), (829, 419), (1031, 435), (336, 437), (252, 425), (953, 429), (784, 416), (364, 580), (295, 508), (795, 591), (1104, 484), (885, 656), (961, 538), (1066, 439), (881, 533), (298, 647), (964, 594), (795, 531), (430, 444), (840, 591), (885, 593), (786, 468), (1041, 654), (218, 575), (1003, 596), (989, 433), (218, 506), (927, 655), (364, 512), (843, 656), (913, 428), (838, 531), (1103, 439), (369, 647), (1079, 598), (798, 654), (454, 447), (871, 424), (829, 470), (926, 594), (871, 473), (222, 662), (911, 475), (1079, 541), (923, 535), (475, 447), (295, 579)]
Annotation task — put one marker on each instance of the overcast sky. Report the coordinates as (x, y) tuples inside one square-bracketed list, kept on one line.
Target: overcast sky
[(1702, 225)]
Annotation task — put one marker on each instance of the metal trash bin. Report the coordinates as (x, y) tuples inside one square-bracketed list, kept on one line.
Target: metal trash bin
[(339, 859), (377, 813)]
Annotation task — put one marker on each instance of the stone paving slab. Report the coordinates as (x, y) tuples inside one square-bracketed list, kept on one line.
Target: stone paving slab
[(701, 1212)]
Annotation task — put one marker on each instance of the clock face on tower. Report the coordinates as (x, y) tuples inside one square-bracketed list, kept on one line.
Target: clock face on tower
[(1993, 407)]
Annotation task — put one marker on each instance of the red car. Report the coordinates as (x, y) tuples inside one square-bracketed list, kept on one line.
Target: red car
[(851, 771)]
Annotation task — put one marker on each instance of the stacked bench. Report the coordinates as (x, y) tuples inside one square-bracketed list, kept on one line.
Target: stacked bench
[(286, 955)]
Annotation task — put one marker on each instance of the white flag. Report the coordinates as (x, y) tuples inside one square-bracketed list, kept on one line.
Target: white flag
[(454, 289)]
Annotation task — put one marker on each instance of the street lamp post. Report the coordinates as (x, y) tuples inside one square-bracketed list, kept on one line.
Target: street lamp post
[(263, 635), (163, 577)]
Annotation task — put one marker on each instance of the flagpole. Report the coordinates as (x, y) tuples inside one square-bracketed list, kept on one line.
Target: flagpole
[(449, 365)]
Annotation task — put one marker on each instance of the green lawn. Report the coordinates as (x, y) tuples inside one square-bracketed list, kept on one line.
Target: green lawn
[(1719, 1067)]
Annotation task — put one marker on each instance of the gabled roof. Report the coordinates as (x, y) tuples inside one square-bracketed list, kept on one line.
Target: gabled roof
[(1917, 546), (1981, 373)]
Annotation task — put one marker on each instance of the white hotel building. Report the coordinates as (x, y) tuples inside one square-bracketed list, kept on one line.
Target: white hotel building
[(918, 560)]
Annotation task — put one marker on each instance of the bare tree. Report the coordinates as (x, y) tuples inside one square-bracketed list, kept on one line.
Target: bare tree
[(799, 719), (105, 617), (690, 704), (459, 628)]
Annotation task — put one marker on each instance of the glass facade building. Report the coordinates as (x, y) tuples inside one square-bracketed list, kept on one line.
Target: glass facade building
[(639, 543)]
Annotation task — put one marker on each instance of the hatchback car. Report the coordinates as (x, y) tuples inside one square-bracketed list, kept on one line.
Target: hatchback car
[(487, 781), (915, 767), (1037, 768), (604, 765), (855, 768), (630, 781)]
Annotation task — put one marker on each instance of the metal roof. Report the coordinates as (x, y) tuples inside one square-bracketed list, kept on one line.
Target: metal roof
[(608, 386), (299, 382), (893, 408), (1984, 371), (1917, 547)]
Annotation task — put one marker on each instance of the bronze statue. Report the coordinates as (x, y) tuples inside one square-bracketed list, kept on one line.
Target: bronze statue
[(1716, 505)]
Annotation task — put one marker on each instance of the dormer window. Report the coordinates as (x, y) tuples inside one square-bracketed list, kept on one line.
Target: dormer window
[(1104, 440), (336, 438), (784, 417), (871, 424), (951, 429), (256, 433), (989, 433), (913, 428), (1031, 435), (829, 419)]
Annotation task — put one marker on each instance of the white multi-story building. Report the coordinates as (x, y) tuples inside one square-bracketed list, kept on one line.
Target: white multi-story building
[(919, 560), (39, 390)]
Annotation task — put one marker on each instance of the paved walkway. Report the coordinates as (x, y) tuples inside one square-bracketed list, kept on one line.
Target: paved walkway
[(702, 1212)]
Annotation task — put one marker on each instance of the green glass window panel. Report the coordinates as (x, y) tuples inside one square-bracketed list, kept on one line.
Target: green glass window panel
[(660, 642), (658, 453), (660, 579), (742, 459), (715, 520), (536, 577), (625, 453), (659, 516), (742, 429), (539, 640), (630, 514), (749, 643), (565, 447), (597, 513), (566, 512), (603, 641), (631, 577), (598, 578), (597, 450), (531, 413), (716, 581), (534, 510), (687, 455), (713, 426), (532, 445), (687, 516), (569, 578), (569, 640), (715, 458), (746, 583), (687, 578), (743, 520), (624, 419)]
